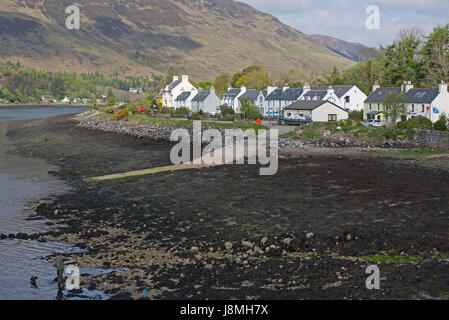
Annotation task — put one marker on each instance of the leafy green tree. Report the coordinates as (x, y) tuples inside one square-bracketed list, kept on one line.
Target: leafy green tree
[(221, 84), (249, 110), (394, 106), (441, 124), (402, 59), (436, 55)]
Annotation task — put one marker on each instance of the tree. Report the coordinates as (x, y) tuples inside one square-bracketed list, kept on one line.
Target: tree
[(221, 84), (250, 111), (441, 124), (403, 59), (256, 77), (394, 106), (436, 55), (335, 78)]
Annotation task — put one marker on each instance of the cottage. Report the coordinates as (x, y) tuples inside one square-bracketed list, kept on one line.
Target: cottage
[(350, 97), (184, 100), (207, 101), (421, 102), (174, 89), (320, 93), (278, 98), (231, 98), (255, 97), (315, 110), (427, 102)]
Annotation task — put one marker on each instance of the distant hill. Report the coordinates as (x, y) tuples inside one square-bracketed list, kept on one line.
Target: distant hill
[(136, 37), (349, 50)]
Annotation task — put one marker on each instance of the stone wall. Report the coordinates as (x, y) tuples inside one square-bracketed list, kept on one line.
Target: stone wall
[(432, 138)]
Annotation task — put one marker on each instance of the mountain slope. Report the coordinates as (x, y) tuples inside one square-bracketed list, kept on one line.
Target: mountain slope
[(136, 37), (349, 50)]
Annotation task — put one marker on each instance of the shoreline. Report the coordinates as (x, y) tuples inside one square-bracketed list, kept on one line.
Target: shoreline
[(24, 106), (195, 235)]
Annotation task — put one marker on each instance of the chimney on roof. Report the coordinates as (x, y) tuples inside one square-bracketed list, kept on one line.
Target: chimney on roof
[(306, 87), (443, 87), (331, 90), (376, 86), (406, 86), (270, 89), (175, 78), (185, 78), (285, 87)]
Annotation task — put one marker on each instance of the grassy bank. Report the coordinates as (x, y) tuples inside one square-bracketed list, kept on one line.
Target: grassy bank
[(187, 123), (416, 154), (350, 129)]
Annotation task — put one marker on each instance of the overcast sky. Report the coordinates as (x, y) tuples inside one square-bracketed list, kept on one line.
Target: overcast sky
[(346, 19)]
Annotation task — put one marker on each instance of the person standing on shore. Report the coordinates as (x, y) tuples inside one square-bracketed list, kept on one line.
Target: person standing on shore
[(59, 263)]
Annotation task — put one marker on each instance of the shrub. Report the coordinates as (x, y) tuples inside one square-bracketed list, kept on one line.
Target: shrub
[(356, 115), (121, 114), (109, 110), (166, 110), (94, 107), (391, 134), (182, 111), (441, 125), (419, 123), (226, 111), (402, 124), (198, 115)]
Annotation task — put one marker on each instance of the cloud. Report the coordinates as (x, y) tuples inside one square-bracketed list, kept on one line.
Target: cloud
[(345, 19)]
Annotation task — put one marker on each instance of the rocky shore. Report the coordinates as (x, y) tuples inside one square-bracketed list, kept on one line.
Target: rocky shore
[(308, 232)]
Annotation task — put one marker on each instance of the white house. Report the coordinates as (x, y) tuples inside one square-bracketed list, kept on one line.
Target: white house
[(427, 102), (231, 98), (174, 89), (66, 100), (350, 96), (421, 102), (315, 110), (184, 100), (325, 93), (207, 101), (278, 98)]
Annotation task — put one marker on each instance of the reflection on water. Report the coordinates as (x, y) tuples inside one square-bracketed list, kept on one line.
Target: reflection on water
[(24, 181)]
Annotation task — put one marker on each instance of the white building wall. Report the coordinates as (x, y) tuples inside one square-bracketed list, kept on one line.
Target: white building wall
[(321, 114)]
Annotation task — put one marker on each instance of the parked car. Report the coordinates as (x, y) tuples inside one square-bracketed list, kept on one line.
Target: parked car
[(373, 123)]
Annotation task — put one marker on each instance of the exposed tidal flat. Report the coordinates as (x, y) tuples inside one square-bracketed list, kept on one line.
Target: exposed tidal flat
[(309, 232)]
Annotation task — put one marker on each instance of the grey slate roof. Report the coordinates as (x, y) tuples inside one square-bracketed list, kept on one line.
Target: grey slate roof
[(201, 96), (174, 84), (380, 94), (340, 91), (308, 105), (275, 95), (421, 95), (292, 94), (232, 93), (183, 96), (251, 94), (318, 92)]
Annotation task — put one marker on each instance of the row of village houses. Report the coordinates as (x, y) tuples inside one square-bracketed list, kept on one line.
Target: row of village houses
[(319, 104)]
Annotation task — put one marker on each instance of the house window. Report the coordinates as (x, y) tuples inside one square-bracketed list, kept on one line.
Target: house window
[(413, 108), (289, 115), (332, 117), (347, 99), (422, 108), (378, 107), (370, 108)]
